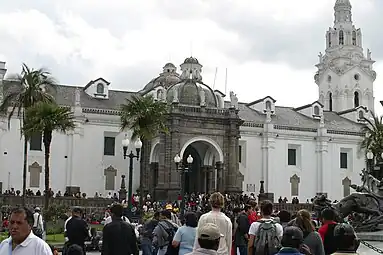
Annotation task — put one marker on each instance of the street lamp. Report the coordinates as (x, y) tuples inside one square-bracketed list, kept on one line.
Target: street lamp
[(370, 157), (183, 169), (125, 145)]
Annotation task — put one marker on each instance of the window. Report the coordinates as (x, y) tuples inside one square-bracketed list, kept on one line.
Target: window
[(341, 37), (361, 115), (353, 38), (268, 105), (330, 102), (356, 99), (240, 154), (100, 88), (292, 157), (109, 146), (35, 142), (343, 160), (316, 110), (329, 40)]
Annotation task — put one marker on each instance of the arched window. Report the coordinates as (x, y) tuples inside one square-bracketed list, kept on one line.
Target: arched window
[(353, 38), (356, 99), (316, 110), (361, 115), (341, 37), (159, 94), (100, 88), (330, 102), (268, 105), (329, 39)]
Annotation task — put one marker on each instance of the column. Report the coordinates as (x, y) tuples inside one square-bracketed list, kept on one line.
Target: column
[(268, 142), (322, 157)]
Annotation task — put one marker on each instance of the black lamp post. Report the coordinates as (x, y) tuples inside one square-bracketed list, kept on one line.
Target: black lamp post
[(183, 169), (370, 160), (125, 145)]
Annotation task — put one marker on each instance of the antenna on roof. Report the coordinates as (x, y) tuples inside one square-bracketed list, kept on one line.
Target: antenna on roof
[(215, 77), (226, 82)]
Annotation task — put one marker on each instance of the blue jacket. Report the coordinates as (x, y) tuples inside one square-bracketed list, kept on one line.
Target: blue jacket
[(288, 250)]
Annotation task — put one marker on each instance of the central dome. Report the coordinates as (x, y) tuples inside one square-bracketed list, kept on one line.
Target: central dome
[(190, 92)]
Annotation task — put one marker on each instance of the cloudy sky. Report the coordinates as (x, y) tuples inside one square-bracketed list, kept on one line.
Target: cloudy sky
[(269, 47)]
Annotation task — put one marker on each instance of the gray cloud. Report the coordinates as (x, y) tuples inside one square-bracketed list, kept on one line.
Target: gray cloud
[(267, 40)]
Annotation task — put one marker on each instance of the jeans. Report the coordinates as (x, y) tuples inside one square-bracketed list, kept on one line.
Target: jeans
[(242, 249), (147, 249)]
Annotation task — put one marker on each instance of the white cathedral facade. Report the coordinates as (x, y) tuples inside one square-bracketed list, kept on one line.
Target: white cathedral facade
[(297, 152)]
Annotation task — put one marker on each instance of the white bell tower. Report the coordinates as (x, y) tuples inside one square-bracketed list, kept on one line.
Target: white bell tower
[(345, 75)]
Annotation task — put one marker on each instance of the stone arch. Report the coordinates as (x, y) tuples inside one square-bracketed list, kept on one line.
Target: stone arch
[(205, 140), (155, 151)]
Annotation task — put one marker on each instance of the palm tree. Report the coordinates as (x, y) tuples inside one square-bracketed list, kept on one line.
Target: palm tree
[(146, 118), (373, 140), (29, 87), (44, 118)]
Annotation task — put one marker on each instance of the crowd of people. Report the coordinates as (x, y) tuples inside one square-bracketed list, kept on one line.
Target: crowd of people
[(232, 225)]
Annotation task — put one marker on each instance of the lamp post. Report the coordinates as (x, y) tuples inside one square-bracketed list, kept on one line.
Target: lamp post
[(370, 158), (125, 146), (183, 169)]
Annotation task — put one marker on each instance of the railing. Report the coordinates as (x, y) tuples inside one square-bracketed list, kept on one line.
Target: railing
[(292, 208), (32, 201)]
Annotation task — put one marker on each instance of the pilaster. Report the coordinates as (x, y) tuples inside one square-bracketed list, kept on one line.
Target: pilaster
[(322, 156)]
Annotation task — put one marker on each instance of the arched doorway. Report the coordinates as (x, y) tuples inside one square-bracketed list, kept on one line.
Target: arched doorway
[(193, 175), (203, 175)]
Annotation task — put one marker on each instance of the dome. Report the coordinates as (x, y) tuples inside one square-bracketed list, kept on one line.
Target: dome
[(169, 65), (189, 93), (191, 60)]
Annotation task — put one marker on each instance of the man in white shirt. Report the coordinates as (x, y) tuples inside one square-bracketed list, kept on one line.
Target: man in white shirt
[(266, 211), (215, 216), (22, 241), (38, 227)]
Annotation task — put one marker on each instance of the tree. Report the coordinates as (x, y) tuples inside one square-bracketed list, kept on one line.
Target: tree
[(146, 118), (29, 87), (373, 140), (44, 118)]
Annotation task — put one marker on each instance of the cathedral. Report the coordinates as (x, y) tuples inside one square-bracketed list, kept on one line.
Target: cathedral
[(295, 151)]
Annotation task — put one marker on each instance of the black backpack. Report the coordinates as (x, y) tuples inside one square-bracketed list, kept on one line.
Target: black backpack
[(171, 231), (329, 242)]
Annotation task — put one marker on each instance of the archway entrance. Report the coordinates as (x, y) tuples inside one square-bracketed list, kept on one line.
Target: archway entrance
[(202, 176)]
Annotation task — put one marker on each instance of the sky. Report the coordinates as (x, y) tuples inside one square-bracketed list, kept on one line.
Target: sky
[(269, 48)]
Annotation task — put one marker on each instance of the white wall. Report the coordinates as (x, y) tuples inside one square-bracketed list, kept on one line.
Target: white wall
[(84, 167)]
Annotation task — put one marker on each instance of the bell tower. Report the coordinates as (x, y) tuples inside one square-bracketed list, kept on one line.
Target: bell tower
[(345, 74)]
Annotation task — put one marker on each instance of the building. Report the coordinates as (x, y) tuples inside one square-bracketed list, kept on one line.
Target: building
[(299, 151)]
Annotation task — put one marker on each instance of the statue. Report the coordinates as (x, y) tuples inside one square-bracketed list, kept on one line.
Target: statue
[(202, 97), (175, 96), (77, 97), (364, 208), (233, 100), (368, 54), (320, 58)]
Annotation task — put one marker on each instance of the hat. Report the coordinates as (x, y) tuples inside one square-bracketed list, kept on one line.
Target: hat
[(37, 209), (344, 229), (209, 231), (169, 207), (293, 232)]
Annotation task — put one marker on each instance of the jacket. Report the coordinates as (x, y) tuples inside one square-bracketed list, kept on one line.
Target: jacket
[(241, 230), (77, 231), (118, 237), (160, 235)]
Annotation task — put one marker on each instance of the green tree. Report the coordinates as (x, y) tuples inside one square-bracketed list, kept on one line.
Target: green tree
[(44, 118), (146, 118), (28, 87), (373, 140)]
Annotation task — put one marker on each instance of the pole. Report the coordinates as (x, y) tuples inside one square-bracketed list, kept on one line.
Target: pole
[(183, 192), (130, 194)]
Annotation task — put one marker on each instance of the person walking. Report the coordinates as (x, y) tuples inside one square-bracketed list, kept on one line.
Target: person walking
[(241, 235), (185, 235), (77, 230), (118, 237), (38, 227), (215, 216), (22, 241)]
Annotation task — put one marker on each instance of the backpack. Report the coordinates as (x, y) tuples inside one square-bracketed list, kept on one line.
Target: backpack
[(171, 231), (37, 231), (266, 241), (329, 242)]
